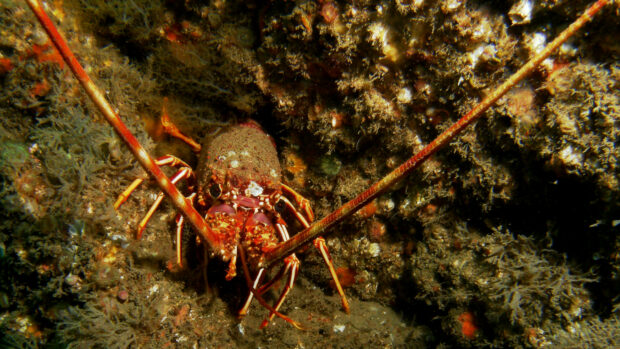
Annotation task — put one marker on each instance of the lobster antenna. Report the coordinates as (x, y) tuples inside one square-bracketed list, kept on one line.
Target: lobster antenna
[(320, 227), (147, 162)]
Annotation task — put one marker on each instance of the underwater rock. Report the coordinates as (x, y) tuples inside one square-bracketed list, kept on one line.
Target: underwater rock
[(489, 243)]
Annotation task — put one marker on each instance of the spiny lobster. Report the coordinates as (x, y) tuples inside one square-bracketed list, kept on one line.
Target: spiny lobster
[(248, 204)]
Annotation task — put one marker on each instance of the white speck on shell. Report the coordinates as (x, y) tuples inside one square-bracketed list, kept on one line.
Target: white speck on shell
[(536, 45), (24, 323), (404, 95), (153, 289), (417, 3), (475, 55), (253, 189), (452, 5), (273, 173), (241, 329), (571, 157), (34, 147), (234, 163), (374, 249), (482, 53), (378, 33), (387, 204), (538, 42), (381, 36), (339, 328), (568, 50), (521, 12)]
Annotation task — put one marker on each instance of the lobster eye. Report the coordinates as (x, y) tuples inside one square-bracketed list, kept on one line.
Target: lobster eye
[(280, 206), (215, 190)]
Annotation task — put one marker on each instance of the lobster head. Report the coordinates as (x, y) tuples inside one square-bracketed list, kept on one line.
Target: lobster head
[(241, 221)]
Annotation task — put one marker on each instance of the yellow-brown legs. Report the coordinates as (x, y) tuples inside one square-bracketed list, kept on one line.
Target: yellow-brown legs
[(127, 192), (291, 263), (258, 296), (168, 160), (180, 220), (179, 237), (184, 172), (301, 201), (291, 266), (246, 306), (173, 130), (319, 242), (305, 216)]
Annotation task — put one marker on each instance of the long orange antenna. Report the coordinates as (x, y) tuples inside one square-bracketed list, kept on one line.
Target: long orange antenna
[(318, 228), (179, 201)]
